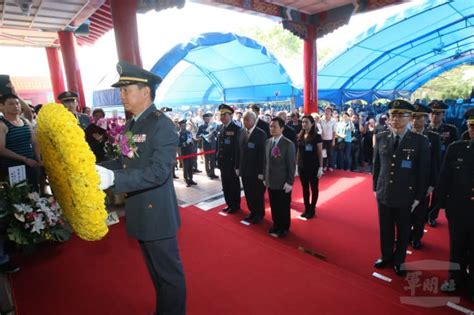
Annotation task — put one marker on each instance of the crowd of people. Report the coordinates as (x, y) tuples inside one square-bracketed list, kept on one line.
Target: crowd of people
[(417, 162)]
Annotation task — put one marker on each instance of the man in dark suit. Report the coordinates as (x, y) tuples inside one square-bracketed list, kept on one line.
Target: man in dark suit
[(400, 181), (249, 164), (455, 193), (280, 165), (151, 207), (69, 100), (448, 134), (186, 144), (260, 123), (418, 216), (207, 133), (227, 141)]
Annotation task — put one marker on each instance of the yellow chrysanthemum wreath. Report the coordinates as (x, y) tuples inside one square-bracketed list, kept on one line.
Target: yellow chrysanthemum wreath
[(70, 166)]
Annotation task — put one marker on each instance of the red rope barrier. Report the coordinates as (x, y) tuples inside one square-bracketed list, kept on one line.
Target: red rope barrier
[(195, 154)]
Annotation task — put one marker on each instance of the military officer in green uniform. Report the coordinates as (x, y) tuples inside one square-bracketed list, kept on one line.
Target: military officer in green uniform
[(151, 208), (227, 142), (69, 100), (400, 181), (455, 193), (448, 134), (418, 216)]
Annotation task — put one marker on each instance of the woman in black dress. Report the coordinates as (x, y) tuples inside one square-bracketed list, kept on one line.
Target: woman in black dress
[(310, 164)]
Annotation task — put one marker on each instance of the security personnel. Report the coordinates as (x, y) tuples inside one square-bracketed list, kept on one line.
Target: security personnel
[(227, 141), (151, 208), (400, 181), (418, 216), (448, 134), (455, 193), (207, 132), (69, 100), (186, 144)]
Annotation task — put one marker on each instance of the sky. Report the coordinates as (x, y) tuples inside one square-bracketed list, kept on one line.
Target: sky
[(160, 31)]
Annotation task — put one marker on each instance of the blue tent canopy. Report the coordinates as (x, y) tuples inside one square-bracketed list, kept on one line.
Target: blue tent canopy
[(395, 58), (223, 67)]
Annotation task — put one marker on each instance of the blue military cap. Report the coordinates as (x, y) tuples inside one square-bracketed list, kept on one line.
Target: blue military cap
[(438, 106), (225, 109), (67, 96), (400, 107), (131, 74), (469, 116), (421, 110)]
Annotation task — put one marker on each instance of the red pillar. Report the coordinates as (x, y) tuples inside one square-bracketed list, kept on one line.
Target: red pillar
[(71, 65), (310, 72), (55, 71), (124, 17)]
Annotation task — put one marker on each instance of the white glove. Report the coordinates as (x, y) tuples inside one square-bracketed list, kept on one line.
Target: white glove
[(190, 140), (260, 176), (414, 205), (237, 172), (106, 176), (287, 188), (320, 172), (375, 194), (430, 190)]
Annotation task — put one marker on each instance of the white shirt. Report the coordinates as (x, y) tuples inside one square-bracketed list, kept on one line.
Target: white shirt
[(327, 128), (249, 131)]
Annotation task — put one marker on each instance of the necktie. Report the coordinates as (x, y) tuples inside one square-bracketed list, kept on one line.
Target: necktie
[(131, 124), (273, 143), (396, 143)]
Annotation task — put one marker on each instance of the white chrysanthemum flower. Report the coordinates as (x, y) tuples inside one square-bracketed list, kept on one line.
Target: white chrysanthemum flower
[(34, 196), (23, 208), (38, 224)]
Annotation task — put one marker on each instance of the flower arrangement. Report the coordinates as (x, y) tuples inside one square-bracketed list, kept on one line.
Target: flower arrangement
[(275, 153), (121, 143), (70, 166)]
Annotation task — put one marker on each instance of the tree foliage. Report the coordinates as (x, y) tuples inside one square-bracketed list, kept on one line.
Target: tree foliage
[(452, 84)]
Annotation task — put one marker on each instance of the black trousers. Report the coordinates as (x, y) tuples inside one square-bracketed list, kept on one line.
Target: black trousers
[(434, 209), (327, 162), (254, 194), (188, 170), (461, 249), (280, 204), (166, 271), (418, 219), (309, 179), (391, 218), (210, 164), (231, 187)]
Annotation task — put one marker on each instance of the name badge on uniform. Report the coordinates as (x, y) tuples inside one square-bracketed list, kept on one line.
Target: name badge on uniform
[(406, 164), (308, 148), (229, 133), (251, 145), (139, 138), (226, 141)]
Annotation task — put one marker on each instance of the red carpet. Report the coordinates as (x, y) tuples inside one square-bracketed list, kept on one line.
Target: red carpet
[(235, 269)]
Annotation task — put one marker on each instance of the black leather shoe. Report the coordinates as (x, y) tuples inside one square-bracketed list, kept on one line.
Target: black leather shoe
[(282, 233), (256, 219), (193, 183), (9, 267), (399, 271), (249, 218), (213, 177), (309, 214), (432, 222), (380, 263), (175, 177), (197, 171), (226, 209), (233, 210), (416, 244), (272, 230), (188, 185)]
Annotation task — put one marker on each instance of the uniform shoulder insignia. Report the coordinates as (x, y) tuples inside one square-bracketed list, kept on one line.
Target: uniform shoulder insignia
[(451, 126), (158, 113)]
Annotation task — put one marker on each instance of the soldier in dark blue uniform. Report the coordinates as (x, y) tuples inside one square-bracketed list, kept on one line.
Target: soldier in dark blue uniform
[(186, 144), (400, 181), (448, 134), (151, 208), (207, 132), (227, 141), (455, 193), (418, 216)]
